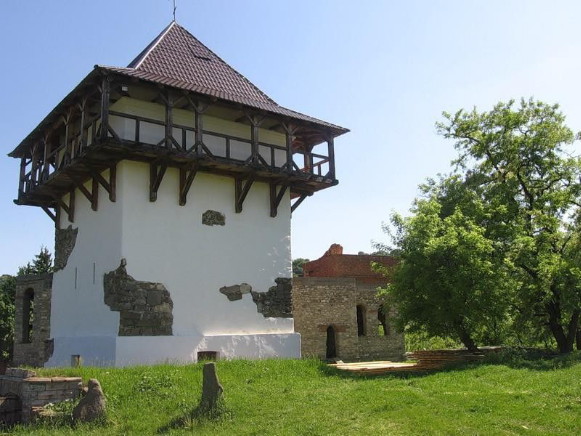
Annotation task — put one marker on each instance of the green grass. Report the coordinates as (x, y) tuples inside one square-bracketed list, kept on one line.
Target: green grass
[(512, 395)]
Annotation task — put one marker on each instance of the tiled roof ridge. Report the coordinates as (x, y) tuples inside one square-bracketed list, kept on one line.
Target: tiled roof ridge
[(136, 63), (152, 61)]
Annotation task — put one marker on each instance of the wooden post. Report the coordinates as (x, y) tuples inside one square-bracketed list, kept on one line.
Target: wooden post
[(82, 137), (289, 146), (168, 120), (331, 154), (22, 176), (45, 167), (105, 95)]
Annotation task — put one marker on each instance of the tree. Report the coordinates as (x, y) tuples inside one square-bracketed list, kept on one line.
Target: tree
[(450, 279), (522, 162), (515, 163), (42, 263), (7, 293), (298, 264)]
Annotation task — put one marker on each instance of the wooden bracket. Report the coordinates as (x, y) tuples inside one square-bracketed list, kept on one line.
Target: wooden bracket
[(93, 195), (50, 213), (156, 173), (109, 186), (187, 176), (276, 198), (241, 191), (298, 201), (69, 208)]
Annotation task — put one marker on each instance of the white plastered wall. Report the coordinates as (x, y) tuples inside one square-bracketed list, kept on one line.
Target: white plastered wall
[(167, 243)]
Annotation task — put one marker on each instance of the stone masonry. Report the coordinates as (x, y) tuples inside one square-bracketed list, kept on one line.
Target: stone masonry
[(277, 302), (339, 293), (64, 243), (146, 308), (35, 392), (32, 345), (320, 302)]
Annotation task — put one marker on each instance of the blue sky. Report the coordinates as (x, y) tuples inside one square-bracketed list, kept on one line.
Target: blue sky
[(384, 69)]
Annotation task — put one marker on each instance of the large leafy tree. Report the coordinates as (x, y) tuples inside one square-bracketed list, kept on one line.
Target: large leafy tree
[(518, 164), (523, 161), (451, 279)]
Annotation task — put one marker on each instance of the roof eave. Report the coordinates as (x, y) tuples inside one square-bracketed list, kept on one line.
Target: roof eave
[(20, 150)]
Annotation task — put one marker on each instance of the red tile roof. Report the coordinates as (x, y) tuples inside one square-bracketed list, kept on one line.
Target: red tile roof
[(176, 58)]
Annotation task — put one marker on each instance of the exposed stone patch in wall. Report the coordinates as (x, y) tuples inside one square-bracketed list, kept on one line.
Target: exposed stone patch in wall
[(235, 292), (145, 307), (32, 345), (64, 243), (213, 218), (277, 302)]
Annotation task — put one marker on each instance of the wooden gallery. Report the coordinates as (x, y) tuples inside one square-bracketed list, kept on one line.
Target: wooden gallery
[(171, 183)]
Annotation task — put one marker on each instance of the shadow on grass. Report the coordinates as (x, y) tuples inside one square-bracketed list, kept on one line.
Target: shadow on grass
[(534, 359), (198, 416)]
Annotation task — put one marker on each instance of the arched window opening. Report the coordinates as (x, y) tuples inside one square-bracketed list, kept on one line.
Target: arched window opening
[(331, 351), (382, 318), (27, 315), (361, 320)]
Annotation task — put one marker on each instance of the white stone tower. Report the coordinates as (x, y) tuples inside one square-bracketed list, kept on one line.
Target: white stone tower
[(171, 183)]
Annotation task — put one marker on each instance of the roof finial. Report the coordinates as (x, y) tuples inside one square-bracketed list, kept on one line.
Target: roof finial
[(174, 10)]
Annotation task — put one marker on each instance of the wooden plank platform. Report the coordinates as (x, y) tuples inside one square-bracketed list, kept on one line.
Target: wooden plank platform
[(423, 361)]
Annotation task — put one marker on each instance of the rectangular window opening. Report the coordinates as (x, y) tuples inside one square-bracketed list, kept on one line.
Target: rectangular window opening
[(207, 355)]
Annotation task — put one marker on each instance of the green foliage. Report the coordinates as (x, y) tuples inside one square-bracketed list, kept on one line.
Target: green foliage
[(42, 263), (304, 397), (298, 266), (7, 292), (497, 244), (451, 279)]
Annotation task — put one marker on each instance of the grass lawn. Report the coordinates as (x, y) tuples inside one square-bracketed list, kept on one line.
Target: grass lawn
[(304, 397)]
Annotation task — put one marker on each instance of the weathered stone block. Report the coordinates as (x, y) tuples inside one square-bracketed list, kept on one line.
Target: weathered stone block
[(213, 218)]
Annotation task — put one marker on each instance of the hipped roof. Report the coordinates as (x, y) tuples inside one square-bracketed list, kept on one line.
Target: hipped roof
[(177, 59)]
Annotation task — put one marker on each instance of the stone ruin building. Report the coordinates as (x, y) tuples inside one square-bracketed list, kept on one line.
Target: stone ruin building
[(338, 313), (171, 183)]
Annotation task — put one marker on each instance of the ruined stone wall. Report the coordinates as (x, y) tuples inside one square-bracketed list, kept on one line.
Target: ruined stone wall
[(320, 302), (32, 345), (35, 392)]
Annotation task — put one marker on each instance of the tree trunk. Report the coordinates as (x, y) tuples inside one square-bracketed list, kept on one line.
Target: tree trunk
[(579, 338), (465, 337), (564, 342)]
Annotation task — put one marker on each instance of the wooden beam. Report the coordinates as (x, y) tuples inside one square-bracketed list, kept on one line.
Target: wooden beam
[(199, 109), (69, 208), (331, 155), (95, 189), (156, 173), (276, 198), (81, 187), (241, 189), (112, 183), (187, 176), (50, 213), (290, 131), (105, 95), (298, 201)]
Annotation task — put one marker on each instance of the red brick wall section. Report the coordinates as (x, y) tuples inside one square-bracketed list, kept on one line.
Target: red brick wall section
[(335, 264)]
